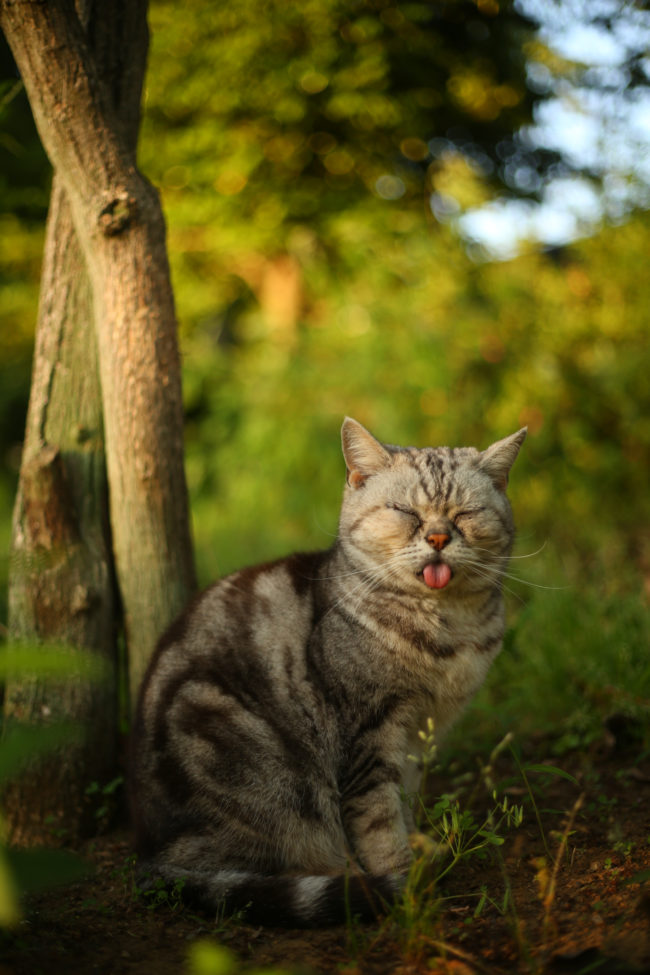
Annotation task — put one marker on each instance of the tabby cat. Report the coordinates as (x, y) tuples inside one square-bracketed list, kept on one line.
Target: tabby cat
[(269, 752)]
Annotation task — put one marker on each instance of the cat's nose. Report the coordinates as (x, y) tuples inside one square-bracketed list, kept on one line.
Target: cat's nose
[(438, 540)]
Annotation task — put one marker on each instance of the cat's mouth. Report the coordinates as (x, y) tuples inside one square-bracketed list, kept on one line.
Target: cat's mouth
[(436, 575)]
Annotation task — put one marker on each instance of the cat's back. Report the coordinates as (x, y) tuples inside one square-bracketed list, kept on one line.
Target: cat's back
[(242, 630), (257, 606)]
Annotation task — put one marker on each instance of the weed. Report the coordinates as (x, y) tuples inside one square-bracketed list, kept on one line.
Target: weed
[(156, 893), (105, 798), (451, 831), (547, 877), (126, 873), (58, 833)]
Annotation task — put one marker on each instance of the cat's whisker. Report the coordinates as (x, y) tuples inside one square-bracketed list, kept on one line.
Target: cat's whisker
[(492, 574), (497, 571), (534, 585), (373, 580), (508, 558), (530, 555)]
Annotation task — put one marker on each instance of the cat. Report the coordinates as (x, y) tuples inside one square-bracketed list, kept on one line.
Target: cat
[(271, 739)]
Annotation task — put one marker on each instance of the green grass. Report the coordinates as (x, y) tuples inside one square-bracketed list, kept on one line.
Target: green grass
[(572, 658)]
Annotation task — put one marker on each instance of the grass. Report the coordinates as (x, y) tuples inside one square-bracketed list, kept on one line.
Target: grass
[(470, 824), (572, 659)]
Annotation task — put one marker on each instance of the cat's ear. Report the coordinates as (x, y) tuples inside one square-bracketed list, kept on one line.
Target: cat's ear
[(499, 458), (363, 454)]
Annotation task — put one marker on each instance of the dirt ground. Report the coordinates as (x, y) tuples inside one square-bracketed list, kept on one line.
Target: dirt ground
[(586, 910)]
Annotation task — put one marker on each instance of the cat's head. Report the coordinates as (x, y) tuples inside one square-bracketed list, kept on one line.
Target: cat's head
[(435, 519)]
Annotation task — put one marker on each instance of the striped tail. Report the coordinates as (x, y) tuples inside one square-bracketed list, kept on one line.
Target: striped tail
[(281, 900)]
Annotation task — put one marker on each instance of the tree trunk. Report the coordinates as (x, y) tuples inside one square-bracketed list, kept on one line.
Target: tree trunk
[(119, 224), (62, 585)]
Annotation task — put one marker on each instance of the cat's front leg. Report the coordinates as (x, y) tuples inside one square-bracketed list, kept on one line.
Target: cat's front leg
[(375, 825)]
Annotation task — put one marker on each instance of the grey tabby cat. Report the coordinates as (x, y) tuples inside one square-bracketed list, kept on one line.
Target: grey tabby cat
[(274, 723)]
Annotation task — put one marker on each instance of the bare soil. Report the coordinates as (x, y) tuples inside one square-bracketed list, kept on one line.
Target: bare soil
[(586, 909)]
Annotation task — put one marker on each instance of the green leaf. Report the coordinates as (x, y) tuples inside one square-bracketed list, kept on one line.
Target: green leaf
[(23, 743), (208, 958), (552, 770), (491, 837), (50, 661), (37, 869)]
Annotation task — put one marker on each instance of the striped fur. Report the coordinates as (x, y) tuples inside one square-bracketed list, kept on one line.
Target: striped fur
[(270, 744)]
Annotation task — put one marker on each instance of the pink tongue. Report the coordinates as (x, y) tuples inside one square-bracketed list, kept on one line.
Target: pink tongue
[(437, 576)]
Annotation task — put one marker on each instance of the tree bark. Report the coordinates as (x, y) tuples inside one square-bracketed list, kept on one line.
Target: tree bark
[(61, 584), (119, 223)]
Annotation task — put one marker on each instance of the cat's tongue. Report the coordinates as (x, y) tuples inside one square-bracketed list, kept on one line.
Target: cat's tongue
[(436, 576)]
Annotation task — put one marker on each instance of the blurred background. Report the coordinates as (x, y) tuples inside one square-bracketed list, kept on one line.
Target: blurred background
[(430, 216)]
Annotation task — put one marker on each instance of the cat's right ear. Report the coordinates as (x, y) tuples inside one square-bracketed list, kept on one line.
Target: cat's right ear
[(363, 454), (499, 458)]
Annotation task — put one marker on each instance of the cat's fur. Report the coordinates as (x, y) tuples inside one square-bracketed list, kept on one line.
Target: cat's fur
[(274, 723)]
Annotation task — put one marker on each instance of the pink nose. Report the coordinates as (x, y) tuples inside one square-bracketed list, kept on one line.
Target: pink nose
[(438, 541)]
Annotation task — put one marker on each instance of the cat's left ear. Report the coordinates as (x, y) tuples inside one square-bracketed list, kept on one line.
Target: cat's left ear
[(363, 454), (499, 458)]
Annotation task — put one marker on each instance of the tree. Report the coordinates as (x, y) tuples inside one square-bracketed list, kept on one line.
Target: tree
[(105, 416)]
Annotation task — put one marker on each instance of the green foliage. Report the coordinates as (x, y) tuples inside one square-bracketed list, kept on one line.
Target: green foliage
[(35, 869), (155, 893), (21, 743), (473, 822), (306, 292), (424, 347), (574, 658), (23, 871), (105, 797), (50, 662), (300, 113)]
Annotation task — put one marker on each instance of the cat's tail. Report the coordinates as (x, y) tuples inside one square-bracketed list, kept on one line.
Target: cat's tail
[(279, 901)]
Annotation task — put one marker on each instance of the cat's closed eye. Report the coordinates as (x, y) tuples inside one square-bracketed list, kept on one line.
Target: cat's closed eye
[(463, 519), (403, 510)]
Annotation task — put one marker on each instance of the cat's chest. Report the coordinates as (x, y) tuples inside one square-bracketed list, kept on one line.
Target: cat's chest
[(444, 640), (445, 655)]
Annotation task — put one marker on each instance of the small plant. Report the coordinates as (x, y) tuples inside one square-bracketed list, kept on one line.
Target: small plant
[(455, 830), (547, 873), (126, 873), (155, 893), (105, 799), (450, 831), (25, 870)]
